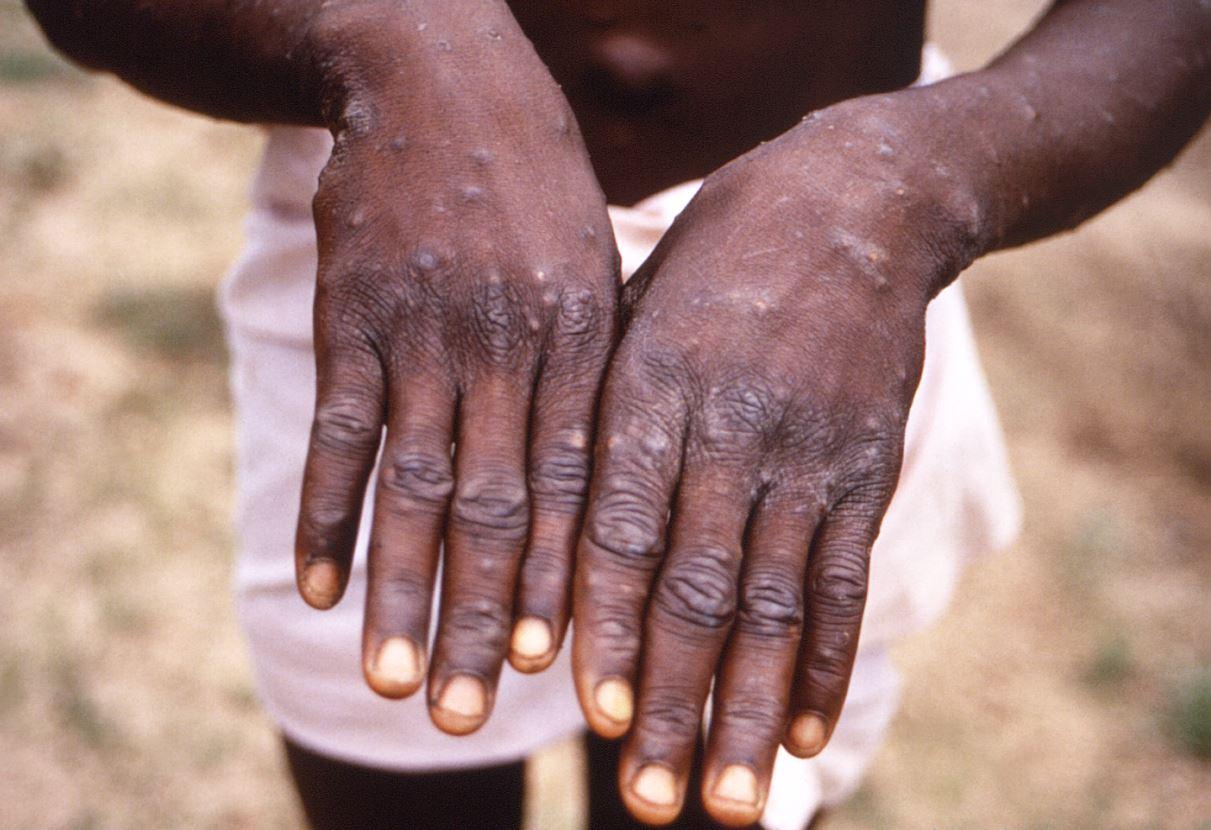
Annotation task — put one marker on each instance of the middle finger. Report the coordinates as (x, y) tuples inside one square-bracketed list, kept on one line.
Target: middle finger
[(487, 527), (687, 625)]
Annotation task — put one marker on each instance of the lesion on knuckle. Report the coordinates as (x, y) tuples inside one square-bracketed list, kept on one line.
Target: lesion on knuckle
[(347, 425), (826, 674), (699, 589), (625, 526), (582, 316), (771, 604), (325, 524), (491, 506), (417, 480), (616, 631)]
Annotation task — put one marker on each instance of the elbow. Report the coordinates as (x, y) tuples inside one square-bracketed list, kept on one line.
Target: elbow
[(68, 29)]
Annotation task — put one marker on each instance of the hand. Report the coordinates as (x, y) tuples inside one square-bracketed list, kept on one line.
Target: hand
[(750, 441), (466, 294)]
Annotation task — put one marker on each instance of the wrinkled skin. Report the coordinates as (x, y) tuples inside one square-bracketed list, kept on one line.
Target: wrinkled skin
[(477, 310), (750, 440)]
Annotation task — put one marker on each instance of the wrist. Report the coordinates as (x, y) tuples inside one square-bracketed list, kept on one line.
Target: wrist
[(905, 183), (375, 60)]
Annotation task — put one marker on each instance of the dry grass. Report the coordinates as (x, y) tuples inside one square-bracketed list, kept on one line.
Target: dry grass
[(1068, 687)]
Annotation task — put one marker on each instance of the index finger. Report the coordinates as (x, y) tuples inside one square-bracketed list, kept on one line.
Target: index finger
[(345, 436), (638, 461)]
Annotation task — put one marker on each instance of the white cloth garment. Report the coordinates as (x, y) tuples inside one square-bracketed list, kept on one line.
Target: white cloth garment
[(955, 498)]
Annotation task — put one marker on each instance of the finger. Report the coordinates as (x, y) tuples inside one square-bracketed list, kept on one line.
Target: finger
[(688, 621), (345, 436), (638, 459), (835, 596), (486, 531), (414, 485), (752, 691), (560, 432)]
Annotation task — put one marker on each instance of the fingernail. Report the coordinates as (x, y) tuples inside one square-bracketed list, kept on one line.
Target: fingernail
[(322, 583), (531, 638), (398, 668), (737, 783), (656, 785), (464, 697), (614, 699), (808, 733)]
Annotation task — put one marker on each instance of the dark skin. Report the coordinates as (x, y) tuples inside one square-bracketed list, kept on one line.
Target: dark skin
[(750, 422)]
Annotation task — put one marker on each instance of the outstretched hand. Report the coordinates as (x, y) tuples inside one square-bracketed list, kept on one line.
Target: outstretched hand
[(467, 291), (750, 440)]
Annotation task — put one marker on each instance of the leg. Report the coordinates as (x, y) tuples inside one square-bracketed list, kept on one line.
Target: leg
[(338, 796), (606, 810)]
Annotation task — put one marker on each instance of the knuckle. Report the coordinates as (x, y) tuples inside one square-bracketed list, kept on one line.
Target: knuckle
[(347, 425), (496, 320), (839, 583), (492, 506), (749, 405), (660, 371), (326, 523), (357, 302), (828, 668), (417, 479), (738, 418), (544, 575), (876, 447), (669, 712), (753, 713), (625, 526), (616, 632), (699, 589), (479, 621), (582, 315), (809, 433), (560, 476), (401, 587), (771, 604)]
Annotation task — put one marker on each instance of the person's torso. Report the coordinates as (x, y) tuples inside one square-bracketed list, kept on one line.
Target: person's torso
[(668, 91)]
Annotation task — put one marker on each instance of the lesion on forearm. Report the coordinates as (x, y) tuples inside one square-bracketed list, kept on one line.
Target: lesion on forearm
[(1081, 111)]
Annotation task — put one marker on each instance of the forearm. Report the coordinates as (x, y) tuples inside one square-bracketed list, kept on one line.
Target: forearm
[(1078, 113), (267, 61)]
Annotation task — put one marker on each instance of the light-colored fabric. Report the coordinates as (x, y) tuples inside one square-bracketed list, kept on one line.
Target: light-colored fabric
[(955, 498)]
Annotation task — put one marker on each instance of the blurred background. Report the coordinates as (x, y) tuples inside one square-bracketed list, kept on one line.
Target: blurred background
[(1069, 687)]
